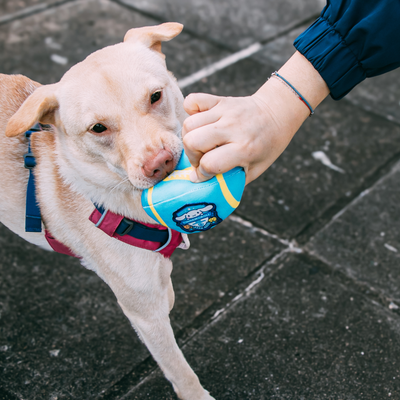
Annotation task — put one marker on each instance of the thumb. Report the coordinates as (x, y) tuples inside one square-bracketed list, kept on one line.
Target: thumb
[(217, 161), (199, 175), (198, 102)]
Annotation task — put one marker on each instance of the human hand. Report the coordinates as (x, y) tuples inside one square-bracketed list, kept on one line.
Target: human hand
[(224, 132)]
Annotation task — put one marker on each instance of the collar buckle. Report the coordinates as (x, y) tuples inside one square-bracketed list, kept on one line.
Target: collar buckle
[(130, 224), (29, 161)]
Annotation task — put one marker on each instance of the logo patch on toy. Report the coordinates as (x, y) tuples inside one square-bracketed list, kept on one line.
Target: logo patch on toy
[(196, 217)]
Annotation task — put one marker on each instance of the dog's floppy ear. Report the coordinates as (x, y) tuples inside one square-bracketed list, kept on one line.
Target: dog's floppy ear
[(152, 36), (38, 107)]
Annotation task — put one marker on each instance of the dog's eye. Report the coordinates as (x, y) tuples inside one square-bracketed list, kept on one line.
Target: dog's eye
[(98, 128), (155, 97)]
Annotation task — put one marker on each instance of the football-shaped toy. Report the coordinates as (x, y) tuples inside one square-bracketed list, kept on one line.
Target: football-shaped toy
[(189, 207)]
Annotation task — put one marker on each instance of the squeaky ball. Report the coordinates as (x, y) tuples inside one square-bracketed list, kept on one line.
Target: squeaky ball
[(189, 207)]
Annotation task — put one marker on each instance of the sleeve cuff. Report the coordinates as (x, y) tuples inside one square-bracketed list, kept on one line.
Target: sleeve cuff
[(327, 51)]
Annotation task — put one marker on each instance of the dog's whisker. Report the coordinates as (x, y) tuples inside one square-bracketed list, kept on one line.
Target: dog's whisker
[(120, 183)]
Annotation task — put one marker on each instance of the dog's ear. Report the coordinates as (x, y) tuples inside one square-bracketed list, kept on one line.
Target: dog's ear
[(152, 36), (40, 106)]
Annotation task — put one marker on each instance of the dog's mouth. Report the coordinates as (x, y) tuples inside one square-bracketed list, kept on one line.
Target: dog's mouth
[(146, 170), (146, 183), (141, 181), (136, 178), (142, 184)]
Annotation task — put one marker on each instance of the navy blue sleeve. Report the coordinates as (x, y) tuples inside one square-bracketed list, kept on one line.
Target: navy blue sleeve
[(353, 40)]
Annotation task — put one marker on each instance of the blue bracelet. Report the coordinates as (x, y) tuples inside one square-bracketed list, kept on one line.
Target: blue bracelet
[(294, 91)]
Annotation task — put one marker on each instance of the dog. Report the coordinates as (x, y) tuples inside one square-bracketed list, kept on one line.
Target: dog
[(113, 129)]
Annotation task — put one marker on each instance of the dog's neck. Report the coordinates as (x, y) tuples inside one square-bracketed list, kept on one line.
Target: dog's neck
[(98, 184)]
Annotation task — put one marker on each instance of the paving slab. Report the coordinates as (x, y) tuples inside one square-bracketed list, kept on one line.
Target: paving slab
[(298, 189), (380, 95), (278, 51), (299, 335), (364, 240), (62, 333), (234, 23), (45, 45), (215, 263)]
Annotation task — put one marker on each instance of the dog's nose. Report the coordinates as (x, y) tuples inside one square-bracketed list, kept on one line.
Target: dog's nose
[(159, 166)]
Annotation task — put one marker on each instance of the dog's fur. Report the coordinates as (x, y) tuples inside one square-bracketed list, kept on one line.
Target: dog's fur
[(76, 167)]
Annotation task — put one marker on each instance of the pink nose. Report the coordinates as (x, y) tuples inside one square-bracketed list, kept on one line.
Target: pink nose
[(159, 166)]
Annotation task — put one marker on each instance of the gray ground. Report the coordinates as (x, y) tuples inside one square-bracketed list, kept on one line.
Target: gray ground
[(295, 297)]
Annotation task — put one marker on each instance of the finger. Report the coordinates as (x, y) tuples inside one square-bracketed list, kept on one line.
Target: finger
[(198, 142), (198, 120), (217, 161), (198, 102)]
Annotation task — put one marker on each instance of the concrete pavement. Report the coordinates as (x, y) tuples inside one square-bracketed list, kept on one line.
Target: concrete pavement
[(296, 296)]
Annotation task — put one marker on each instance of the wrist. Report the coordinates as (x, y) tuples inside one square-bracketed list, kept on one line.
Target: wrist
[(281, 106), (279, 113), (305, 78), (289, 111)]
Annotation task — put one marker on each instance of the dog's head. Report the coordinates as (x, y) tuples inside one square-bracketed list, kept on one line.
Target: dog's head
[(117, 114)]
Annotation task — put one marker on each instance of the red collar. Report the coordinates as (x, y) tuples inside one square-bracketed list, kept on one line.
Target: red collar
[(139, 234), (145, 236)]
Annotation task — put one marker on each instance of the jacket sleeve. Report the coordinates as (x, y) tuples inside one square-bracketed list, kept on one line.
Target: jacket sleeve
[(353, 40)]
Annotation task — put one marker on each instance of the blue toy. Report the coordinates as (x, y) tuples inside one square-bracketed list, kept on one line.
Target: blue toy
[(188, 207)]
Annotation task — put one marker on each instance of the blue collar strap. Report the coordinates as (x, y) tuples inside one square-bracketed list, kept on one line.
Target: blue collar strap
[(137, 230), (33, 219)]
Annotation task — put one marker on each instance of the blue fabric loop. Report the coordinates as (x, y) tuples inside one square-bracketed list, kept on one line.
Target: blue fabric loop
[(33, 219), (137, 230)]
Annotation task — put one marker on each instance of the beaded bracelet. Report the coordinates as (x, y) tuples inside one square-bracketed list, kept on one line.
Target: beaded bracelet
[(293, 89)]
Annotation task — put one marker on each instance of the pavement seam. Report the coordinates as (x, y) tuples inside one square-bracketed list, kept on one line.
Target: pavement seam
[(28, 11), (249, 225), (237, 56), (356, 286), (208, 317), (161, 19), (253, 284), (140, 373), (219, 65), (342, 204), (382, 173)]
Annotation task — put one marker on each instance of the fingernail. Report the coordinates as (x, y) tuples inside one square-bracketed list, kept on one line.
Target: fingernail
[(204, 173), (193, 176)]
